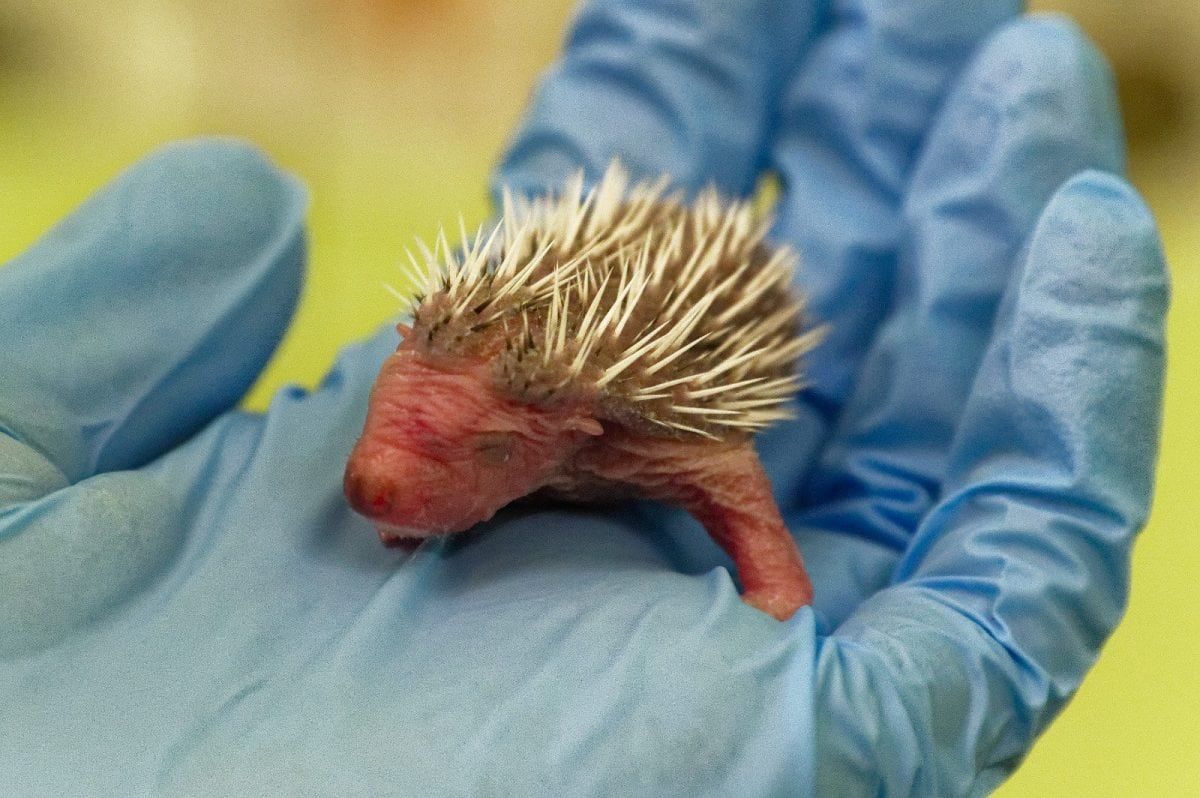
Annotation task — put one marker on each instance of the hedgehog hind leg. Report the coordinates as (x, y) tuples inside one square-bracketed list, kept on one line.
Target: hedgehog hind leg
[(723, 485), (771, 569), (736, 507)]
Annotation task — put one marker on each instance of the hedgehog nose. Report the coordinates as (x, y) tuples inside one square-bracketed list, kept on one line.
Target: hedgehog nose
[(369, 494)]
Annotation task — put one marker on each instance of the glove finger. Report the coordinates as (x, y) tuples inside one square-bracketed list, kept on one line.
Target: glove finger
[(149, 310), (684, 89), (1014, 581), (851, 125), (247, 494), (1035, 107)]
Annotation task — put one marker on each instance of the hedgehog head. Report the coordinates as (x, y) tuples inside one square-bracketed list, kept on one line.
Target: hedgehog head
[(443, 449)]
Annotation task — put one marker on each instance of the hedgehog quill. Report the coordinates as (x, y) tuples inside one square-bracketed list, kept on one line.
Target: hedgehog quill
[(595, 344)]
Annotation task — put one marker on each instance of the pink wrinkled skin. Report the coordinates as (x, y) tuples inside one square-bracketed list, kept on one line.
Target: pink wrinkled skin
[(442, 450)]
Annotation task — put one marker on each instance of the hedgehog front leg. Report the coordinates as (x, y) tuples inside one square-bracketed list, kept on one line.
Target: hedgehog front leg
[(723, 485)]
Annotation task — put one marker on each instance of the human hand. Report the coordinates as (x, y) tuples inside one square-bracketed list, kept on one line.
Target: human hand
[(203, 614), (976, 449)]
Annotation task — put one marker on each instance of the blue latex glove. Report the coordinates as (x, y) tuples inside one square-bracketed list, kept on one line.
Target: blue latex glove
[(187, 605)]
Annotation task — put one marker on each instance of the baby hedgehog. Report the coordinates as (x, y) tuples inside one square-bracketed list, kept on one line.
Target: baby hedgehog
[(595, 345)]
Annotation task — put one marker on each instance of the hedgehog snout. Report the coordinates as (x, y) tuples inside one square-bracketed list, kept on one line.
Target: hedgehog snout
[(401, 490), (369, 493)]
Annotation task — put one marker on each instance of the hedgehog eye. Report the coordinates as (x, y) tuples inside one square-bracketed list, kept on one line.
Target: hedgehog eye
[(495, 448)]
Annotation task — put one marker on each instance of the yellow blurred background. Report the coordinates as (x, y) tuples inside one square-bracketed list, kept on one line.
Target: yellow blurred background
[(393, 112)]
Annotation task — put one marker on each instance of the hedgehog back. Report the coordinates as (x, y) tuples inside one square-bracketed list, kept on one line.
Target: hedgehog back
[(676, 319)]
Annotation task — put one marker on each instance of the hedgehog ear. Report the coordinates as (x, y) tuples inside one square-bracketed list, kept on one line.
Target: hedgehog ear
[(404, 330), (588, 426)]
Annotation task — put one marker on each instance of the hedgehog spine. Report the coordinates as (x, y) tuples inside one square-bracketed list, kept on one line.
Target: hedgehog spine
[(676, 314)]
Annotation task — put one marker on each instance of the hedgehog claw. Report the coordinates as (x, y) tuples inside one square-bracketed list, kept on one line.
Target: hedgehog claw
[(393, 540)]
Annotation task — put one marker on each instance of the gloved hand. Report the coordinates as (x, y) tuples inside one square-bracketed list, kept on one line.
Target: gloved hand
[(187, 605)]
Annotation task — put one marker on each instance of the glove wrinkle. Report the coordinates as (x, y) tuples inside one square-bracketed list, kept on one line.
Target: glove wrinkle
[(25, 475), (71, 557)]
